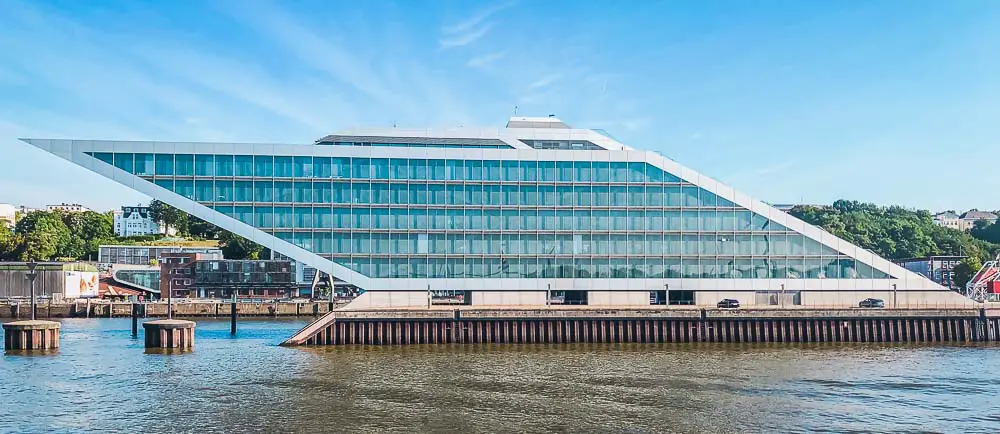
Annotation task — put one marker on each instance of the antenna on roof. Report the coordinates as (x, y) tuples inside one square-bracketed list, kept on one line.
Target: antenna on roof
[(552, 116), (394, 124), (515, 110)]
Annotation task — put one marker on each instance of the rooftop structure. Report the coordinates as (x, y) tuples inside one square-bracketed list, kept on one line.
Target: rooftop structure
[(985, 284), (534, 214), (67, 207)]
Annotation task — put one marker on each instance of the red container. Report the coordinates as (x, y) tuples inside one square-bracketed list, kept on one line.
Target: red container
[(994, 286)]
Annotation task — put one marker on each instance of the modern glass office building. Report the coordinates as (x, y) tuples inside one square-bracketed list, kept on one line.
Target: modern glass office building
[(531, 214)]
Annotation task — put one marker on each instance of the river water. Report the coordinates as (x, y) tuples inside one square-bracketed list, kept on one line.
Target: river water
[(101, 379)]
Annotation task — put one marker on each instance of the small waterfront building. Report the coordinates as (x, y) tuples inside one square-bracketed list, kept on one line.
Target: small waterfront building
[(56, 280), (190, 275), (940, 269), (532, 214), (146, 255)]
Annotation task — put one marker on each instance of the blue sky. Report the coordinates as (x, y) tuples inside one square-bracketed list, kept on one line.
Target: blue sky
[(893, 102)]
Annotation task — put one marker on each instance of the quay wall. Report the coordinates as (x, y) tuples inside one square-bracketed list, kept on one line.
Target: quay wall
[(151, 310), (613, 325)]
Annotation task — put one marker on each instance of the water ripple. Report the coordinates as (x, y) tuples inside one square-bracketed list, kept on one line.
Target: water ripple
[(102, 380)]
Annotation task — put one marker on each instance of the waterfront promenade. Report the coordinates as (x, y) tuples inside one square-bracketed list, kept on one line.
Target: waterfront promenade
[(460, 324), (192, 309), (591, 324)]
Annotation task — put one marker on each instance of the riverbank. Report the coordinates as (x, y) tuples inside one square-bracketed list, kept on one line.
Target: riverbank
[(153, 310)]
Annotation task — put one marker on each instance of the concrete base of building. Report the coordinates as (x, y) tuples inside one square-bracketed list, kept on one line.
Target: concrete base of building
[(31, 335), (169, 333), (648, 325)]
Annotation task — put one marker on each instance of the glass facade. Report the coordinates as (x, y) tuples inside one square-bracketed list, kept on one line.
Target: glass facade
[(449, 218), (141, 278)]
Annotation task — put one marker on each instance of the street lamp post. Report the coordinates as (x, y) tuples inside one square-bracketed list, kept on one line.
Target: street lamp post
[(170, 297), (31, 275)]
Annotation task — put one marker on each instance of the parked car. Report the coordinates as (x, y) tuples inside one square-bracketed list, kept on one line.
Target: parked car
[(728, 303), (872, 303)]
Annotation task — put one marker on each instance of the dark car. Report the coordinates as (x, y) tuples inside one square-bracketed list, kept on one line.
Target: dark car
[(871, 303), (728, 303)]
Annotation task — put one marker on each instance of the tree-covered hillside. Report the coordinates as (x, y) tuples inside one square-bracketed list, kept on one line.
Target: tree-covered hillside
[(895, 232)]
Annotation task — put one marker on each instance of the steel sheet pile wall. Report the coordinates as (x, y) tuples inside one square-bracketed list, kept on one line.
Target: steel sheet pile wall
[(461, 327)]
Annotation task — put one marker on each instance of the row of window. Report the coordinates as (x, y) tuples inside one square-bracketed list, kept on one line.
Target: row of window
[(402, 193), (499, 219), (573, 145), (632, 244), (384, 168), (611, 268), (489, 145)]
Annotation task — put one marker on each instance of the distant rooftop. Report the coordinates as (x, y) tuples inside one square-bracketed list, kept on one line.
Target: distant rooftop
[(979, 215), (946, 215), (536, 122)]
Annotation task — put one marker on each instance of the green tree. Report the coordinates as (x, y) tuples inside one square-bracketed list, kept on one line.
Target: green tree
[(88, 230), (237, 247), (203, 229), (9, 244), (966, 269), (892, 232), (986, 231), (43, 234), (168, 217)]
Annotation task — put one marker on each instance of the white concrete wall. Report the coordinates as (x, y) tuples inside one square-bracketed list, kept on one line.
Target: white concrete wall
[(817, 299), (508, 298), (618, 298)]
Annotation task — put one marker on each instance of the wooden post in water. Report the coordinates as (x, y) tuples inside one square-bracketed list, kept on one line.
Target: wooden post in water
[(232, 316), (135, 320)]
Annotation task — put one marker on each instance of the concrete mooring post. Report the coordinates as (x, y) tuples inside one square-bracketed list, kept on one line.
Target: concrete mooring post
[(30, 335), (169, 333)]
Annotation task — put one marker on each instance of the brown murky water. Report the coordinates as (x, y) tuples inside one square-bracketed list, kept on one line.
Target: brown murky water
[(102, 380)]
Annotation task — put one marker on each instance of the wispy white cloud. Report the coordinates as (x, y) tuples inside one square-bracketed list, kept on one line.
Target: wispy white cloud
[(312, 48), (626, 124), (486, 59), (767, 170), (465, 38), (470, 29), (476, 18), (545, 81), (417, 93)]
